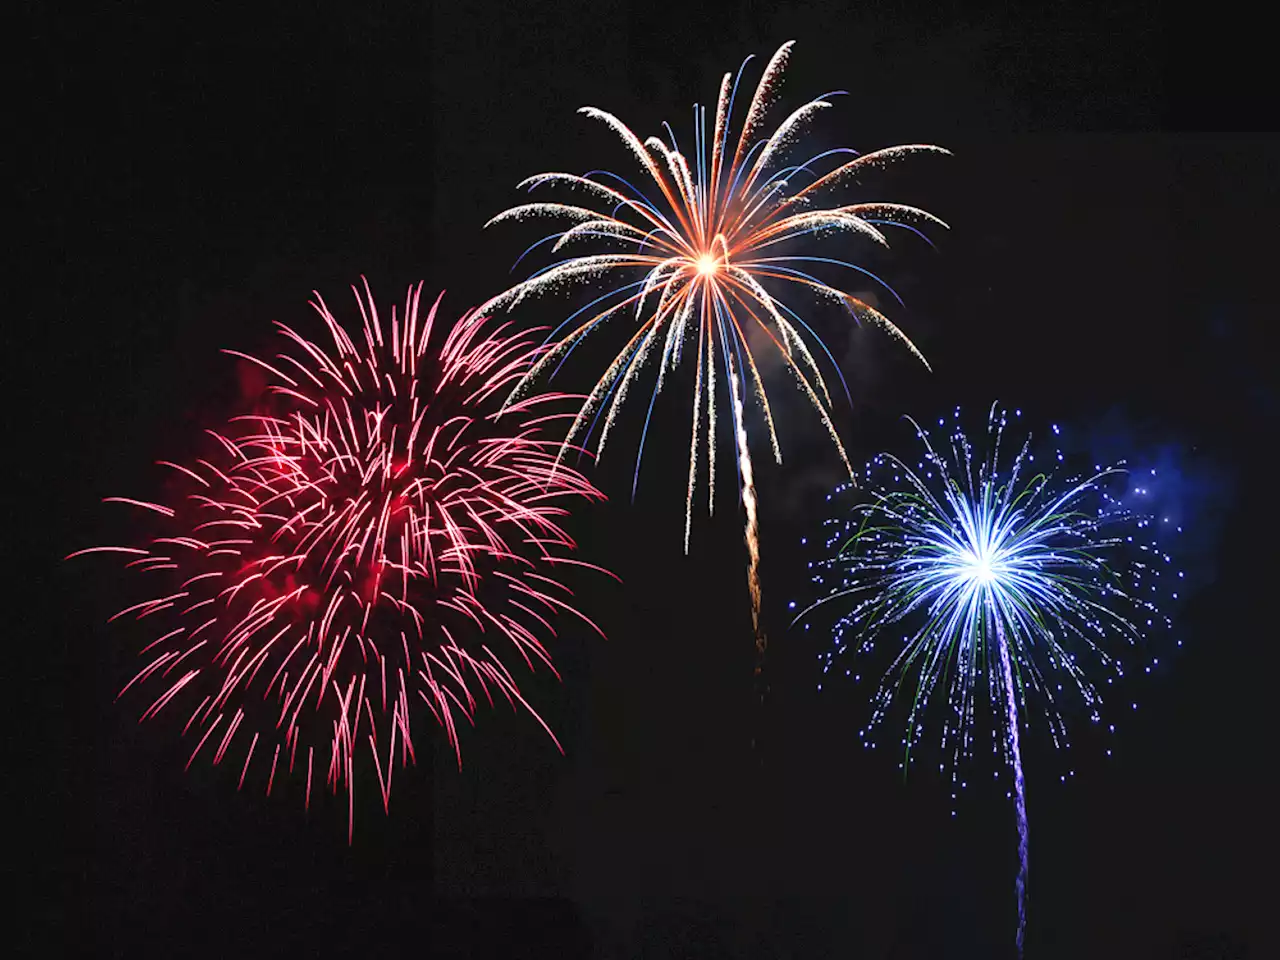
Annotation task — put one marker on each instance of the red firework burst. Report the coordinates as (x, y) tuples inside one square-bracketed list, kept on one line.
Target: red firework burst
[(359, 541)]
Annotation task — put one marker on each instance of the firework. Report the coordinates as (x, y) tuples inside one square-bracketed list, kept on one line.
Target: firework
[(368, 537), (702, 256), (1010, 588)]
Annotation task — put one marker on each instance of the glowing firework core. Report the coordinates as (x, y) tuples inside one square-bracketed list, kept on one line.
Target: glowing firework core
[(707, 265), (979, 568)]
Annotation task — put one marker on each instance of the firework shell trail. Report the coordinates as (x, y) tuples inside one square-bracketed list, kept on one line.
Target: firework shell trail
[(368, 543), (1008, 587), (1019, 781), (752, 530), (710, 248)]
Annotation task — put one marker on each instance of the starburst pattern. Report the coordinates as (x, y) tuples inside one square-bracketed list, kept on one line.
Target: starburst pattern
[(1012, 586), (704, 263), (705, 249), (371, 536)]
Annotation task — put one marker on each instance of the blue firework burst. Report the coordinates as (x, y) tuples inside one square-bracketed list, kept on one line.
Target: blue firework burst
[(1010, 586)]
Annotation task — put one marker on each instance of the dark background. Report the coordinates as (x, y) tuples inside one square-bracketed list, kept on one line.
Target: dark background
[(191, 175)]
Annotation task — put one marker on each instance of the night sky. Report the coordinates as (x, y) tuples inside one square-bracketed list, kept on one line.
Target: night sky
[(191, 176)]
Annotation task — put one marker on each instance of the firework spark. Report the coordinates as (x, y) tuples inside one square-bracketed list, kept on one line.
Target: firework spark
[(1003, 575), (702, 258), (368, 537)]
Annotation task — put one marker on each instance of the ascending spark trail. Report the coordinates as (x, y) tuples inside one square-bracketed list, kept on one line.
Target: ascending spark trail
[(752, 531), (1019, 785)]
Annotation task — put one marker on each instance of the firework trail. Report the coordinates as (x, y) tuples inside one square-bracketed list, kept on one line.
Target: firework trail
[(1019, 782), (752, 531), (367, 537), (1006, 574), (700, 257)]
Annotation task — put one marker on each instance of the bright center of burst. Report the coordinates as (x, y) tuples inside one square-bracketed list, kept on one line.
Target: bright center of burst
[(707, 265), (979, 569)]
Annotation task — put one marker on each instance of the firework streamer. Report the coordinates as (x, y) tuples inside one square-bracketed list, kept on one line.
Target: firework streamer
[(752, 529), (368, 537), (711, 249), (1009, 581), (1019, 782)]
